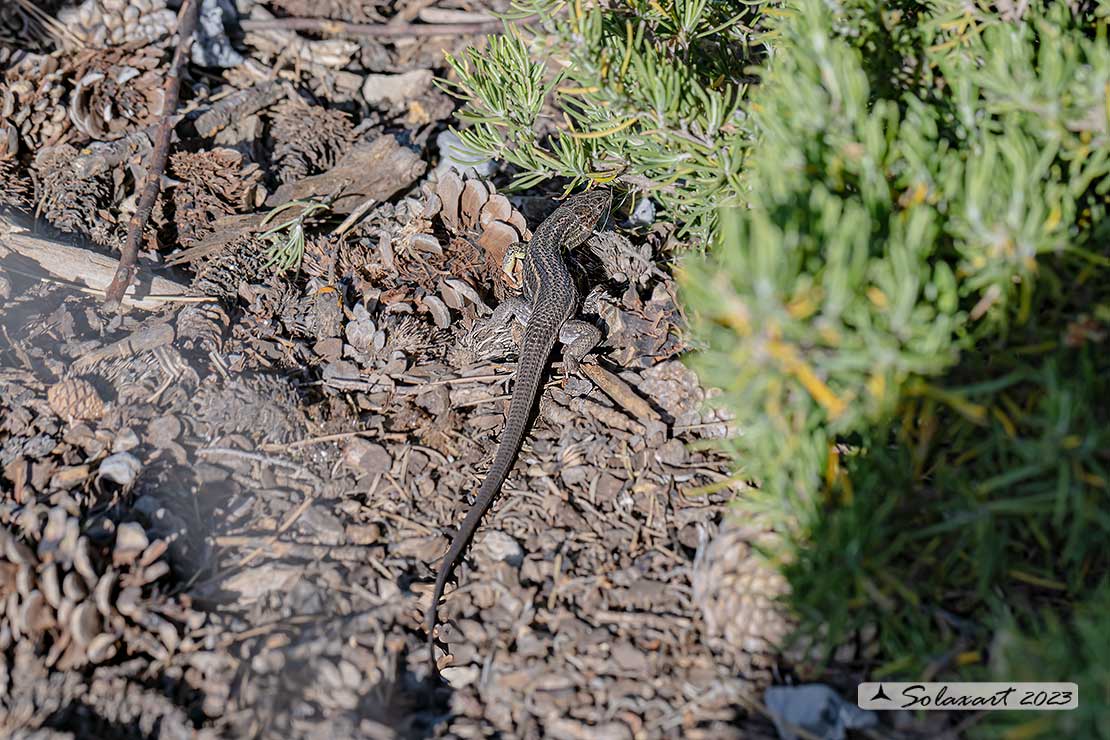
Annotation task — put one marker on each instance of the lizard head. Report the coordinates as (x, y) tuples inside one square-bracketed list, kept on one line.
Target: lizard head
[(581, 213)]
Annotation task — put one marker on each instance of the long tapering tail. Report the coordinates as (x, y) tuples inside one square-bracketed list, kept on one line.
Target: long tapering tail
[(536, 349)]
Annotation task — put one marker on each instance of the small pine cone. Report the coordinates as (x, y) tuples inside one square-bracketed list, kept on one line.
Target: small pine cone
[(116, 91), (75, 399), (32, 101), (105, 23), (320, 256), (741, 593), (72, 203), (308, 138), (224, 174), (242, 260), (413, 337), (214, 184), (202, 326)]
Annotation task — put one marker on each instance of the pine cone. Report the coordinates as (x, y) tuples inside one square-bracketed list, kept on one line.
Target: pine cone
[(79, 602), (308, 139), (104, 23), (72, 203), (215, 183), (32, 99), (117, 91), (473, 209), (740, 593), (242, 260), (75, 399)]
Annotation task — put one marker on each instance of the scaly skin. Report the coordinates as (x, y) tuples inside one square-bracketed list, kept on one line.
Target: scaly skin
[(550, 290)]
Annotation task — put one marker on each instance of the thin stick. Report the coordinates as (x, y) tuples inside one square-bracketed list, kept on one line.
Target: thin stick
[(340, 28), (289, 520), (125, 273)]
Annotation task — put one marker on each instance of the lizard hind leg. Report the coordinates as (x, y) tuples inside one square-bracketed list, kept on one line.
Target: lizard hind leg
[(510, 309), (579, 339)]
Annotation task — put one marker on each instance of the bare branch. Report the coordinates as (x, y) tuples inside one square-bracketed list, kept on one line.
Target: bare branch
[(125, 273)]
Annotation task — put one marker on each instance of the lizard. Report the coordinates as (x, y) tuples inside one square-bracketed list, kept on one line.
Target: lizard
[(549, 303)]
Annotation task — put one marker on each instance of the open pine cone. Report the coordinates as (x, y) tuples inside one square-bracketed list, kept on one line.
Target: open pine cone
[(32, 95), (117, 91), (80, 602), (741, 593), (473, 209), (214, 183), (308, 138)]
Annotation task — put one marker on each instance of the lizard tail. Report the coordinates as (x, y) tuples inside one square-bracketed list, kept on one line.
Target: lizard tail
[(526, 388)]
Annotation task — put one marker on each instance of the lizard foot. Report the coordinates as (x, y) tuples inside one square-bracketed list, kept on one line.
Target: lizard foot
[(579, 339)]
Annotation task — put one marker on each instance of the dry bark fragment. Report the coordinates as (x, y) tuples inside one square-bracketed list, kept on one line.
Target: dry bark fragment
[(377, 170)]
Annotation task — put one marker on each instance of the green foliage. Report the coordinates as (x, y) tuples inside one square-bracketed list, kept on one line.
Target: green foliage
[(906, 318), (1077, 652), (287, 239), (648, 91)]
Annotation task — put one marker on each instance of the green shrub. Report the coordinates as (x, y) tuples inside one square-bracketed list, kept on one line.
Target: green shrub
[(646, 91), (908, 316)]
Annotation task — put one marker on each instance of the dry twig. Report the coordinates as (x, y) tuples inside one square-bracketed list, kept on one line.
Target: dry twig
[(330, 27), (125, 273)]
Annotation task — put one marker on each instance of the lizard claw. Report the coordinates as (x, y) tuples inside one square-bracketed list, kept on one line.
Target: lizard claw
[(571, 366)]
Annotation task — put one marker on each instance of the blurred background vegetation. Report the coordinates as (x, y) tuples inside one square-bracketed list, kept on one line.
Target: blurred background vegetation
[(901, 277)]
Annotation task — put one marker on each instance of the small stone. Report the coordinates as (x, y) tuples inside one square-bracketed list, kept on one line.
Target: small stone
[(367, 457), (352, 677), (163, 431), (67, 478), (363, 534), (125, 441), (629, 658), (389, 90), (460, 677), (360, 334), (672, 453), (131, 540), (122, 468), (331, 349), (502, 547)]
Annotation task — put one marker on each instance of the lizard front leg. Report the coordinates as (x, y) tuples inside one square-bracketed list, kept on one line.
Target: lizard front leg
[(578, 339), (515, 253)]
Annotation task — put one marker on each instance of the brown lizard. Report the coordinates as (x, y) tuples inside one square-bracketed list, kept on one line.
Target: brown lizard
[(551, 301)]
